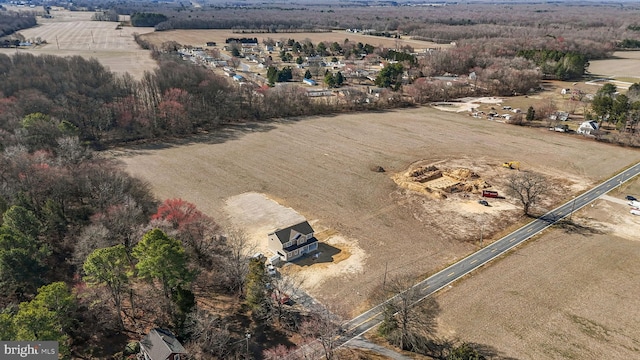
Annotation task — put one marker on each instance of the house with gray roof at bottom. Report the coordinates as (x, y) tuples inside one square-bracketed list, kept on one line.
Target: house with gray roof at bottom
[(161, 344), (294, 241)]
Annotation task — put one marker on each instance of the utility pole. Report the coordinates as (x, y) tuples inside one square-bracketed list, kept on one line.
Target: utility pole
[(481, 233), (573, 204), (247, 336), (384, 280)]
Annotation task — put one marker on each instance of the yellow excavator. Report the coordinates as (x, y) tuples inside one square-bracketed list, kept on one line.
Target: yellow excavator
[(514, 165)]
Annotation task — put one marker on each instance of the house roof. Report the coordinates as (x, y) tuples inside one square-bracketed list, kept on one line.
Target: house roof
[(284, 235), (297, 246), (161, 343)]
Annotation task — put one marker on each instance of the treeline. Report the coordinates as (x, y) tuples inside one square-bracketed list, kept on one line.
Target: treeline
[(176, 99), (15, 21), (629, 44), (242, 40)]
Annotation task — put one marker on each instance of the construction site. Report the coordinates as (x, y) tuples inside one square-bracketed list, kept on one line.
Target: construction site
[(440, 181)]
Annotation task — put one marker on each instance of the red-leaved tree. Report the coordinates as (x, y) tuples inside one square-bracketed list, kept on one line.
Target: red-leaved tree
[(197, 231)]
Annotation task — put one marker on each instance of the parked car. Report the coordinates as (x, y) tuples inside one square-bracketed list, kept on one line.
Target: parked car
[(483, 202), (271, 270), (631, 198)]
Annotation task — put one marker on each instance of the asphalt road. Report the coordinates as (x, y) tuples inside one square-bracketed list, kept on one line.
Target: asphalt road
[(367, 320)]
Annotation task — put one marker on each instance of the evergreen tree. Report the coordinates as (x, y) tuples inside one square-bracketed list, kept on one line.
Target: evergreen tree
[(531, 114), (256, 286)]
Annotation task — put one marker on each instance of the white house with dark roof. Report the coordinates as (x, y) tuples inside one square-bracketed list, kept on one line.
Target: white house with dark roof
[(161, 344), (292, 242), (588, 128)]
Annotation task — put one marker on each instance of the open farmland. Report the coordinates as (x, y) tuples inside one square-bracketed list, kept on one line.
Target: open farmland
[(321, 168), (624, 64), (200, 37), (571, 294), (72, 33)]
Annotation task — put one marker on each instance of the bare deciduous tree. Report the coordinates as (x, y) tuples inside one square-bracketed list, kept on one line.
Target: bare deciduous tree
[(210, 336), (409, 322), (236, 266), (528, 187), (323, 327)]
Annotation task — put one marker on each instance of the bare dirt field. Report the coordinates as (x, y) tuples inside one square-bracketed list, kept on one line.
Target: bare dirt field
[(72, 33), (572, 293), (625, 64), (322, 168), (201, 37)]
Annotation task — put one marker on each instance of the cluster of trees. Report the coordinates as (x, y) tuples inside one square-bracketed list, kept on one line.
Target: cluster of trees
[(623, 111), (147, 19), (275, 75), (333, 80), (108, 15), (559, 64), (390, 75), (10, 22)]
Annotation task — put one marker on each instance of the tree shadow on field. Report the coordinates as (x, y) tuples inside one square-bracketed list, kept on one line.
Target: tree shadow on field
[(231, 131), (325, 254), (215, 136), (570, 227), (223, 134)]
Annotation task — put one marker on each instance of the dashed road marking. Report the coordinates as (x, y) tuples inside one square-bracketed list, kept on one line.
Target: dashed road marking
[(451, 274), (474, 261)]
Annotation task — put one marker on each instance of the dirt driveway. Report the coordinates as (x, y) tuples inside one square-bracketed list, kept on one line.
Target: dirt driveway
[(321, 167)]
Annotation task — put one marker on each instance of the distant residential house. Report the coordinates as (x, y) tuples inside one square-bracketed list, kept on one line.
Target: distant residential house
[(588, 128), (294, 241), (238, 78), (161, 344), (310, 82)]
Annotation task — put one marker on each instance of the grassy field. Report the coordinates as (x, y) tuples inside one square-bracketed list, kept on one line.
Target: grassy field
[(201, 37), (72, 33), (570, 294), (321, 168)]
